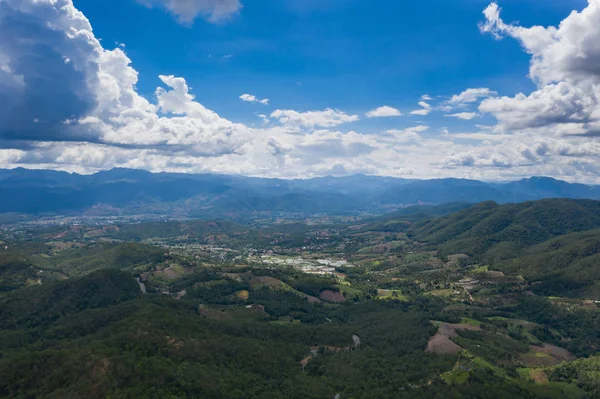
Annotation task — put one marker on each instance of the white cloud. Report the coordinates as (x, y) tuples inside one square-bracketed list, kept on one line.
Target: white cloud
[(470, 96), (481, 136), (552, 105), (565, 64), (310, 119), (426, 109), (568, 53), (467, 116), (527, 155), (382, 112), (426, 97), (253, 99), (408, 134), (187, 11), (265, 119), (102, 122)]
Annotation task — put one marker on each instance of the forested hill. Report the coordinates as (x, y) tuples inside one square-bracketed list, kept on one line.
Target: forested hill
[(205, 195), (555, 243), (501, 230)]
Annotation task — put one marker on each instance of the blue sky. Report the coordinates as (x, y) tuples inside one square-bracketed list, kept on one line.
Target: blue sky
[(308, 54), (157, 83)]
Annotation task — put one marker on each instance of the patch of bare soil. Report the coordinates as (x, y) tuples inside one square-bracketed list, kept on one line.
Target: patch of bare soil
[(315, 350), (441, 343), (332, 296), (171, 273), (260, 281), (269, 281), (556, 352), (311, 299), (539, 359)]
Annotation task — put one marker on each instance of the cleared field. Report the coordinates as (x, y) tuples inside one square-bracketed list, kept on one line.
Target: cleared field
[(539, 376), (539, 359), (332, 296), (391, 294), (442, 293), (173, 272), (383, 248), (441, 342), (557, 352)]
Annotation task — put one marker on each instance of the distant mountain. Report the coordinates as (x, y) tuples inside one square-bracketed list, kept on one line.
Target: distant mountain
[(130, 191), (545, 187), (451, 190)]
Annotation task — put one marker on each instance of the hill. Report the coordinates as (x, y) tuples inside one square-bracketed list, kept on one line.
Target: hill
[(567, 264), (493, 232), (42, 305), (554, 244), (99, 337)]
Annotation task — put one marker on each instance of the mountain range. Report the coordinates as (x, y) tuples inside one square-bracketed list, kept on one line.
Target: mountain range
[(128, 191)]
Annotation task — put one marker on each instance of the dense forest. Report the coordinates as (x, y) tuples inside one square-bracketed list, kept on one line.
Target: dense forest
[(402, 306)]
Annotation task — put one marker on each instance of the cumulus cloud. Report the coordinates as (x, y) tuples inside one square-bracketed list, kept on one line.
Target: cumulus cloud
[(98, 101), (35, 54), (565, 65), (382, 112), (187, 11), (310, 119), (48, 51), (424, 111), (410, 134), (470, 96), (467, 116), (328, 144), (482, 136), (253, 99), (555, 104), (570, 52)]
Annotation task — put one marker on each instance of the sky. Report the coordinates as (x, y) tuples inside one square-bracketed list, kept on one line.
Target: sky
[(302, 88)]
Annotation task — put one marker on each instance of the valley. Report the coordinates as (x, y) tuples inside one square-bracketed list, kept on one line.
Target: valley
[(399, 284)]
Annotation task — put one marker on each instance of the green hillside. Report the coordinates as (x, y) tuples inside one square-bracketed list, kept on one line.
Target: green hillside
[(584, 372), (98, 337), (15, 272), (99, 256), (568, 263), (492, 232), (42, 305)]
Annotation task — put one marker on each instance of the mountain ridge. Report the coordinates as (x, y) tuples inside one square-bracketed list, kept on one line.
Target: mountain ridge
[(213, 195)]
